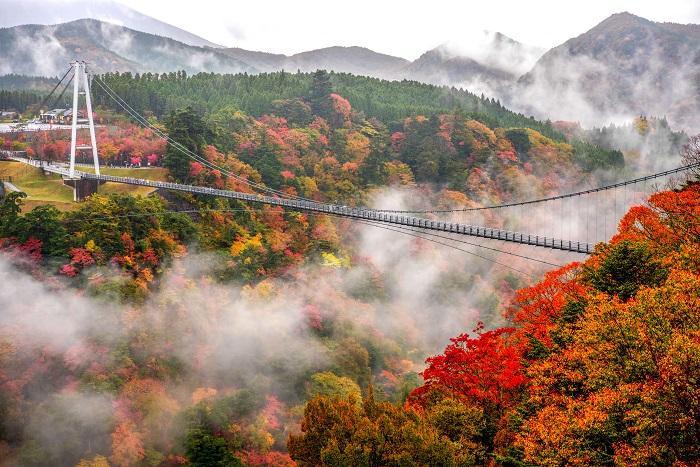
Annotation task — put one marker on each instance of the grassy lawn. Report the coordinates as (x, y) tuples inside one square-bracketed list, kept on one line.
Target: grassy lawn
[(29, 204), (49, 189), (40, 188)]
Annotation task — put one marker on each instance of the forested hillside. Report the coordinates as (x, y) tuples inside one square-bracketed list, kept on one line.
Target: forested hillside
[(235, 334), (280, 93), (298, 132), (255, 94), (46, 50), (598, 367)]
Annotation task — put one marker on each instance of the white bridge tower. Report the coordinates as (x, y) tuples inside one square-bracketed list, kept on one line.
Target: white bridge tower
[(80, 76)]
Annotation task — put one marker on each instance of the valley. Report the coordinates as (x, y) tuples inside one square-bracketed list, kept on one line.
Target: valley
[(485, 256)]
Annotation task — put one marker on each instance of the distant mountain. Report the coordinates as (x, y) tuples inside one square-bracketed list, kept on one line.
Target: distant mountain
[(442, 66), (20, 12), (483, 61), (46, 50), (624, 66), (355, 60), (262, 61)]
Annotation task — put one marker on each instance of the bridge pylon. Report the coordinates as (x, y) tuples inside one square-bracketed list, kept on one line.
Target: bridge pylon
[(80, 77)]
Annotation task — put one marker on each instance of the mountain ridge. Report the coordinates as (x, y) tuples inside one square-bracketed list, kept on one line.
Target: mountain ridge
[(108, 47), (344, 59), (625, 65), (53, 12)]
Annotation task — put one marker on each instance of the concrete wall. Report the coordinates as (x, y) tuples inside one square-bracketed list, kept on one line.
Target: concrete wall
[(82, 188)]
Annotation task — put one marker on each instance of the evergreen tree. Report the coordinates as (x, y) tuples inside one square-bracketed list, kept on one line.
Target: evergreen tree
[(10, 208), (626, 267), (264, 159), (188, 130), (320, 93), (521, 141), (205, 449)]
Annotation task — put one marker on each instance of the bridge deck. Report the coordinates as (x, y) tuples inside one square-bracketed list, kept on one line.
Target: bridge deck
[(343, 211)]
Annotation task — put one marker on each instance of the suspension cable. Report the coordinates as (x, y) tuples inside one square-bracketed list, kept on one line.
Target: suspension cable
[(424, 232), (385, 227), (55, 102), (552, 198), (405, 230), (142, 120), (54, 88)]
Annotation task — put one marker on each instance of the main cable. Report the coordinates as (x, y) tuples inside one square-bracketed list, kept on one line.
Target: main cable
[(140, 119)]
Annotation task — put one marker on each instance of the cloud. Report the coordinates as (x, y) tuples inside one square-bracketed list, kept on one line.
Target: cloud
[(494, 50), (34, 54), (37, 315), (118, 39), (236, 32)]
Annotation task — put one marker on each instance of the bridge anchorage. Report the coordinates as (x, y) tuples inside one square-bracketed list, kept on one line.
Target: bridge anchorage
[(85, 184)]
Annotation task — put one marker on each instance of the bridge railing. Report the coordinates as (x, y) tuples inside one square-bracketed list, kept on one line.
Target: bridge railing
[(7, 155), (363, 213), (343, 211)]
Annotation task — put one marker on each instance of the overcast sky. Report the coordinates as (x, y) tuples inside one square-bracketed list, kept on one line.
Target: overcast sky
[(403, 28)]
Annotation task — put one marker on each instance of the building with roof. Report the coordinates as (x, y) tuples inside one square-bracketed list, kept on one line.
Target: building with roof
[(60, 116)]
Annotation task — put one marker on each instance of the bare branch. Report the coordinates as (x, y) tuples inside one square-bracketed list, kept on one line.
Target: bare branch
[(691, 153)]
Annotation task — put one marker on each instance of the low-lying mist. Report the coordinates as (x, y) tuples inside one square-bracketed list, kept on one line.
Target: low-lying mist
[(393, 298)]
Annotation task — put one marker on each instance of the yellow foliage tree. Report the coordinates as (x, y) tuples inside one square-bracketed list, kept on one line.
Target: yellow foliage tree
[(97, 461), (332, 261)]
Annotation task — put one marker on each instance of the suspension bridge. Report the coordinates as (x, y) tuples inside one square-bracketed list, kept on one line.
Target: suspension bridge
[(85, 183)]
